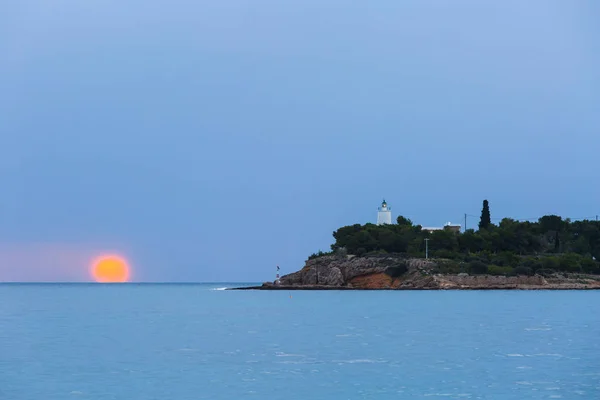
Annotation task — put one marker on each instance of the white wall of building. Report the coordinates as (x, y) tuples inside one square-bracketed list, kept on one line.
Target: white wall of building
[(384, 216)]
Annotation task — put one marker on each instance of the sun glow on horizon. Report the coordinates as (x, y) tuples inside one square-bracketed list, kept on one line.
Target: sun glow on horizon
[(110, 269)]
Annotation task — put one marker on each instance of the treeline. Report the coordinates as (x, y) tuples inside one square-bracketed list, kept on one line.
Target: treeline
[(511, 247)]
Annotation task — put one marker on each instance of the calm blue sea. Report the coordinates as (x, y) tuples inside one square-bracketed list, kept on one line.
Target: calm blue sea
[(184, 341)]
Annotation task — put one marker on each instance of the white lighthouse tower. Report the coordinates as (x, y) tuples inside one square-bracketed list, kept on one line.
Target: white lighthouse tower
[(384, 215)]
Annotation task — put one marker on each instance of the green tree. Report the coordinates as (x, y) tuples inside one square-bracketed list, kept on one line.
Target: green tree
[(551, 223), (508, 245), (470, 241), (553, 227), (391, 242), (403, 221), (485, 220), (443, 240)]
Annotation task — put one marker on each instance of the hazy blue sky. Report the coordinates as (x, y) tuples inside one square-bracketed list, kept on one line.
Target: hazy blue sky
[(210, 141)]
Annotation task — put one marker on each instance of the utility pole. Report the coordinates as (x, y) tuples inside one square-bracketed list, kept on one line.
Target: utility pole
[(465, 222), (426, 248)]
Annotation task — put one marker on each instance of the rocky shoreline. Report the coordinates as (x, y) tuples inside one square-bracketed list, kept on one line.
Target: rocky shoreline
[(270, 286), (400, 273)]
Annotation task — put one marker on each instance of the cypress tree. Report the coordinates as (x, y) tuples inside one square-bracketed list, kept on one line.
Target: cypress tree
[(485, 220)]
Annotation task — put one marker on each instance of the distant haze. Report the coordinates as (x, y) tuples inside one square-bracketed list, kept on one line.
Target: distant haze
[(212, 141)]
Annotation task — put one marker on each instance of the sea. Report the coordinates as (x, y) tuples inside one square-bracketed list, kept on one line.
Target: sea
[(199, 341)]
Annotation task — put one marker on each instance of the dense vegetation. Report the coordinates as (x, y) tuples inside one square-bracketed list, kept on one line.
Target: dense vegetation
[(546, 246)]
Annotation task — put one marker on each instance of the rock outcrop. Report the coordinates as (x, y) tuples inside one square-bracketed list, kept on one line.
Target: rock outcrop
[(354, 272), (394, 272)]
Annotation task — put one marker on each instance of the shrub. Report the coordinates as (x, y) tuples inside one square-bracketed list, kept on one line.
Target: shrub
[(550, 263), (533, 263), (319, 254), (590, 266), (521, 270), (477, 267), (451, 255), (501, 271), (545, 271), (449, 267), (505, 259), (570, 263), (375, 253)]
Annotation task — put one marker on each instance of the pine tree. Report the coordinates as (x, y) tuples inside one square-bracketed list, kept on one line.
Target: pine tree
[(485, 220)]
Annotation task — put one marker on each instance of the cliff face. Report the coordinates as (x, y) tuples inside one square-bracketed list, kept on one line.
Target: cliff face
[(331, 272), (348, 271)]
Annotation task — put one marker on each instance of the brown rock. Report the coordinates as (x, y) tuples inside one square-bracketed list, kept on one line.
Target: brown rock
[(379, 272)]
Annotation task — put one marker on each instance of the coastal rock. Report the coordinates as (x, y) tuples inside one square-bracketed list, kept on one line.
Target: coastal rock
[(488, 281), (368, 272), (402, 273), (334, 277)]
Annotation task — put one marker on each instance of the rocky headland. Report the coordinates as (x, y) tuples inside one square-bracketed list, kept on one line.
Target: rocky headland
[(383, 272)]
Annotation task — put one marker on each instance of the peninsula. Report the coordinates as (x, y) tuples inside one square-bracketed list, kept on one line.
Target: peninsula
[(550, 253)]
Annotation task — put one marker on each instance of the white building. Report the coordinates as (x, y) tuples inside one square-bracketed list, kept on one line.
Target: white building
[(384, 215), (448, 226)]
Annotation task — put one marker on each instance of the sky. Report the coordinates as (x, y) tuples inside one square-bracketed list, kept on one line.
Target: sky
[(212, 141)]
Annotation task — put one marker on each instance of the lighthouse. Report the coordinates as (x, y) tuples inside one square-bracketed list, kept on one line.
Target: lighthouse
[(384, 215)]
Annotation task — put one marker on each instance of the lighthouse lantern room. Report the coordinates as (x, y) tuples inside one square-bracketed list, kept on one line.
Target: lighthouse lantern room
[(384, 215)]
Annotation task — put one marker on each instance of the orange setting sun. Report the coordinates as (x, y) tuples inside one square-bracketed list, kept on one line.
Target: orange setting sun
[(110, 269)]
